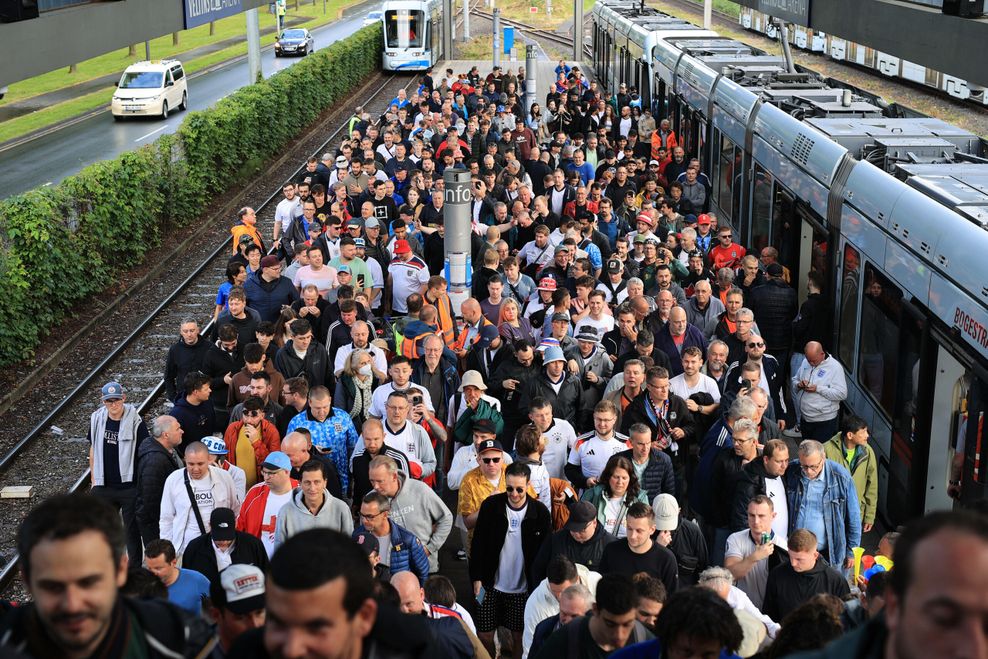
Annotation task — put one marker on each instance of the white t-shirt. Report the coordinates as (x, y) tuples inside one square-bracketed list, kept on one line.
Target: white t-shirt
[(612, 509), (776, 491), (377, 280), (740, 545), (324, 279), (603, 325), (380, 398), (706, 384), (343, 354), (407, 277), (510, 577), (224, 557), (591, 453), (559, 439), (203, 490), (384, 549), (407, 440), (287, 211), (272, 507)]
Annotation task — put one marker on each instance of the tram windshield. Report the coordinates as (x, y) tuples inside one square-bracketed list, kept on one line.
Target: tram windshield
[(404, 28)]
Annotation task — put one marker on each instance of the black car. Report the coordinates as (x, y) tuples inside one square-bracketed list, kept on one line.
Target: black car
[(296, 41)]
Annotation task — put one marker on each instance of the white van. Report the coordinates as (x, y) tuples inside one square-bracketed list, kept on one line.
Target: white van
[(150, 88)]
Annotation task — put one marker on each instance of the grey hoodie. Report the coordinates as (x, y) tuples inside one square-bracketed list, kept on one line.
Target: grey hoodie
[(420, 510), (295, 517)]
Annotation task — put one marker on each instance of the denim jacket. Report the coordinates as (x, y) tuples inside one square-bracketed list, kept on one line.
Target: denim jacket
[(841, 515)]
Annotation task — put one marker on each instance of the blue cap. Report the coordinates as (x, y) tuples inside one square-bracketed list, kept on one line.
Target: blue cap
[(500, 108), (359, 242), (277, 460), (553, 354), (487, 335), (344, 268), (214, 445), (112, 390)]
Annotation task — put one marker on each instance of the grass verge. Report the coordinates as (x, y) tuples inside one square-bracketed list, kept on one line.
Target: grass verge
[(55, 114)]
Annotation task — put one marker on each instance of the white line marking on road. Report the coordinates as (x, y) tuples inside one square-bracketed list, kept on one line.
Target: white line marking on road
[(156, 130)]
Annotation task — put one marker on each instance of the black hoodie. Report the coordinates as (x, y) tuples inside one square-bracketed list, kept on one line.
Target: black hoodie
[(182, 360), (787, 589)]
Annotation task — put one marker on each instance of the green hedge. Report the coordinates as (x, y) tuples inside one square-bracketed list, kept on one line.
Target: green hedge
[(63, 243)]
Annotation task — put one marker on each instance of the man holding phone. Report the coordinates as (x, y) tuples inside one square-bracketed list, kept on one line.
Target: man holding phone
[(753, 552)]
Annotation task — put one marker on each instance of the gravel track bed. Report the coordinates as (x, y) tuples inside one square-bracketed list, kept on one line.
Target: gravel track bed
[(57, 458)]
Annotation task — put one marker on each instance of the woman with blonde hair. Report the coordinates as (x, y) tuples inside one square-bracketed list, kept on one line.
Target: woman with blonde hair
[(511, 325)]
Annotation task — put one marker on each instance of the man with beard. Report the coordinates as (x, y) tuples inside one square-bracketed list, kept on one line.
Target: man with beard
[(73, 560)]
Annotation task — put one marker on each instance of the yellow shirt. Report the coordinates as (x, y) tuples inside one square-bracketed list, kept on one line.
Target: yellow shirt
[(246, 459), (474, 489)]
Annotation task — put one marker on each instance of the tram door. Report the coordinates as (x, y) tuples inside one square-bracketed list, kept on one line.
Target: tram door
[(969, 435), (952, 404), (779, 219)]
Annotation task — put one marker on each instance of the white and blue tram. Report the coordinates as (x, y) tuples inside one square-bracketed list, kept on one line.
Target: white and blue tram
[(412, 34), (889, 207)]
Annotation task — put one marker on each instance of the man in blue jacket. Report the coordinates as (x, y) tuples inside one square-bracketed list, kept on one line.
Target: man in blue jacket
[(399, 550), (822, 498), (267, 291)]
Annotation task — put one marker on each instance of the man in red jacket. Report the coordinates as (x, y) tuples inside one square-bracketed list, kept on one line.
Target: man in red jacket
[(249, 442), (259, 512)]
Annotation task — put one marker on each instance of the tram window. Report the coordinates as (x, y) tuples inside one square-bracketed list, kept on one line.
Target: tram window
[(761, 207), (729, 167), (849, 304), (967, 431), (403, 28), (890, 342)]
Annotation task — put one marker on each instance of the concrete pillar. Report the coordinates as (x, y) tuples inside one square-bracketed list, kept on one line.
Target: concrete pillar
[(466, 20), (708, 8), (456, 217), (497, 37), (578, 30), (531, 71), (253, 47), (448, 29)]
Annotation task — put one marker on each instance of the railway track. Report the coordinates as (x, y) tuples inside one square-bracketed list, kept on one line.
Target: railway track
[(57, 444), (540, 33)]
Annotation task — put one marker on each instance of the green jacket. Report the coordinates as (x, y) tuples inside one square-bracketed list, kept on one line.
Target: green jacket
[(864, 471), (463, 430)]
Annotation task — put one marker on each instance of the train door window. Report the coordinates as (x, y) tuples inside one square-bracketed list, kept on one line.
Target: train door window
[(762, 205), (850, 281), (728, 164), (889, 355), (968, 435), (802, 243)]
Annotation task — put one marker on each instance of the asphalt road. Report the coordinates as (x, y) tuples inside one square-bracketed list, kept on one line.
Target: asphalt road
[(50, 158)]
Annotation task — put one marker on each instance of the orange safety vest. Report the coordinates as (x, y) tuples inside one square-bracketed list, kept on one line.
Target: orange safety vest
[(242, 229), (461, 340), (447, 323)]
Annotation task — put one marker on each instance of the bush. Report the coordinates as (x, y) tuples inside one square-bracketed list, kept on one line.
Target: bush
[(63, 243)]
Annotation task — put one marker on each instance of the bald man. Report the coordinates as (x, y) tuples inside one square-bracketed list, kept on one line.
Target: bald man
[(213, 488), (298, 447), (452, 636), (818, 387), (677, 335), (473, 322)]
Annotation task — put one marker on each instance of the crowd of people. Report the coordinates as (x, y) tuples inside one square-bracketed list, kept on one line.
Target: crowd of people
[(632, 424)]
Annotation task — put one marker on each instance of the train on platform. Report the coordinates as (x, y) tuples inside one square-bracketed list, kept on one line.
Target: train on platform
[(848, 51), (889, 207), (412, 34)]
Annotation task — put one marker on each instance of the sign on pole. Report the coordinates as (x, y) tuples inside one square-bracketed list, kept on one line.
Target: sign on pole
[(200, 12)]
